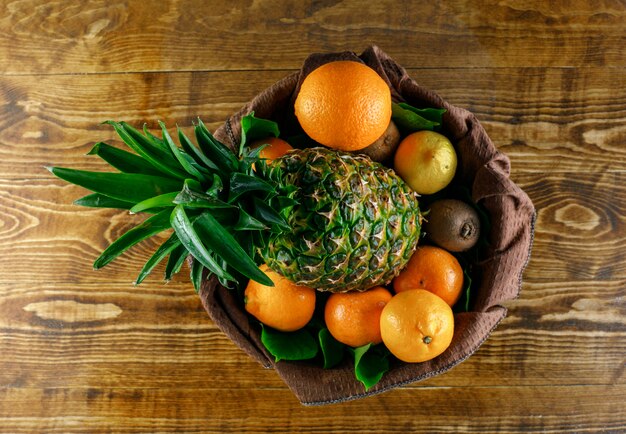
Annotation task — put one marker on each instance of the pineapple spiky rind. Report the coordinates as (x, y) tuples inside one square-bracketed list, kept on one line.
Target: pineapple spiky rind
[(356, 225)]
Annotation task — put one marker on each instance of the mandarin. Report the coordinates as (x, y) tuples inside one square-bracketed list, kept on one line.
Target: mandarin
[(416, 326), (353, 318), (285, 306), (276, 148), (344, 105), (435, 270)]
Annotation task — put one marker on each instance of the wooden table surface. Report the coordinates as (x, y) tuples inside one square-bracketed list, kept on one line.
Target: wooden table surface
[(86, 351)]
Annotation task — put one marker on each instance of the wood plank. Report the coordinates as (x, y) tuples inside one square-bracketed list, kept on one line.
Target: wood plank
[(167, 340), (575, 211), (571, 119), (581, 225), (471, 409), (179, 35)]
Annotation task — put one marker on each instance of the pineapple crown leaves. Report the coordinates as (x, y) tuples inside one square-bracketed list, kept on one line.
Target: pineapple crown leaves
[(220, 209)]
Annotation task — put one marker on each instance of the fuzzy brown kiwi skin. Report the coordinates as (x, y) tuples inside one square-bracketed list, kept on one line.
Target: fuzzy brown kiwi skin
[(452, 224), (384, 148)]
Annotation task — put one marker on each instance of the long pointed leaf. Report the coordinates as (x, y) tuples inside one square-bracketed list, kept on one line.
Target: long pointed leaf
[(152, 144), (248, 223), (216, 187), (124, 161), (164, 249), (196, 153), (179, 155), (156, 140), (97, 200), (161, 201), (221, 155), (190, 239), (218, 239), (265, 213), (152, 226), (195, 199), (128, 187), (154, 154), (240, 184), (175, 261), (195, 275)]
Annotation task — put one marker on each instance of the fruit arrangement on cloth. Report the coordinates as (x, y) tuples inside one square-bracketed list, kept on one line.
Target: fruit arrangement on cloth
[(305, 228)]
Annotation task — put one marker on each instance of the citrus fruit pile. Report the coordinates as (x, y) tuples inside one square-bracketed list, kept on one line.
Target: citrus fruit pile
[(350, 238)]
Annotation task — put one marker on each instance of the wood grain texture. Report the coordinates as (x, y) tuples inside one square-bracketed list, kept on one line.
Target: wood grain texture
[(63, 36), (166, 340), (86, 351), (484, 409)]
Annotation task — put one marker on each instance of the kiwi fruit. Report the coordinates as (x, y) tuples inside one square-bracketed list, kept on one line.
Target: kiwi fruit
[(452, 224), (385, 147)]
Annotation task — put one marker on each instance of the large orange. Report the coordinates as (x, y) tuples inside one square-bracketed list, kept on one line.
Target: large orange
[(344, 105), (416, 326), (353, 318), (284, 306), (434, 270)]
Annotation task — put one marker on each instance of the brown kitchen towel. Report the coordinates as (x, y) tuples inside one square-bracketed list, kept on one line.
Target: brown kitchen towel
[(499, 270)]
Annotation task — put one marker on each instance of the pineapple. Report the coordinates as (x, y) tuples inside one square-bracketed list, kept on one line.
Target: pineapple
[(322, 218), (356, 225)]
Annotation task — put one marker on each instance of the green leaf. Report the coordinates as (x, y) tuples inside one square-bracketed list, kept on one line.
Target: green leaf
[(265, 213), (192, 242), (298, 345), (253, 128), (216, 186), (468, 287), (219, 240), (127, 187), (150, 143), (196, 275), (332, 349), (159, 158), (152, 226), (124, 161), (186, 164), (175, 261), (156, 140), (246, 222), (194, 199), (97, 200), (160, 201), (164, 249), (409, 121), (220, 154), (196, 153), (370, 364), (240, 184), (432, 114)]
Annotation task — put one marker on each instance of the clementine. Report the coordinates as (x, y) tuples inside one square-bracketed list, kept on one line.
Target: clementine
[(435, 270), (276, 148), (353, 318), (416, 326), (284, 306), (344, 105)]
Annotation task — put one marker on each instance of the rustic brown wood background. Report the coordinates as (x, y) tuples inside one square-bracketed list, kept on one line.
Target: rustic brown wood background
[(85, 351)]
